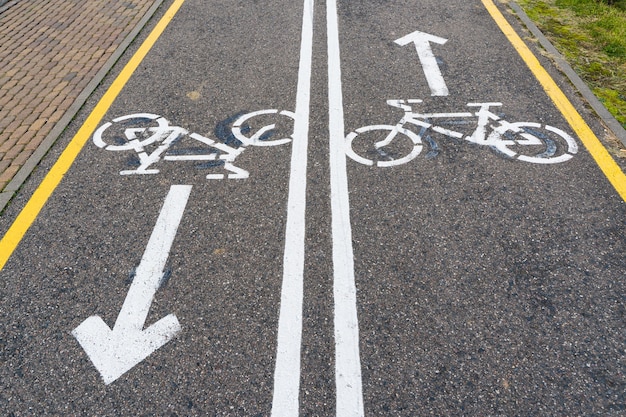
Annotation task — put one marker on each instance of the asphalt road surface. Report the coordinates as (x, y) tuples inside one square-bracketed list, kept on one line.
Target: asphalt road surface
[(291, 209)]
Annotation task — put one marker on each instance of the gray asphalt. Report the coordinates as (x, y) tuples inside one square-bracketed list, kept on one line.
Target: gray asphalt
[(486, 285)]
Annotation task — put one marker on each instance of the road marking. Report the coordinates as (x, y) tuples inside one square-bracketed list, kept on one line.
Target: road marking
[(347, 358), (29, 213), (508, 138), (285, 401), (165, 138), (115, 351), (422, 41), (599, 153)]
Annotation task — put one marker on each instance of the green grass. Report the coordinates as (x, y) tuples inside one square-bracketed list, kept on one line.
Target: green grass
[(591, 34)]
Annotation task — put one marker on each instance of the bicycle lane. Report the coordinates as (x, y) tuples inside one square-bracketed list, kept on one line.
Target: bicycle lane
[(194, 254), (483, 284)]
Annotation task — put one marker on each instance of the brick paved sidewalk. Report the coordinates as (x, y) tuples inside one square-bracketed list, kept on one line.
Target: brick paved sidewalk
[(50, 50)]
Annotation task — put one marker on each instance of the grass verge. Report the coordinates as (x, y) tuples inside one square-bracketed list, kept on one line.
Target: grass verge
[(591, 35)]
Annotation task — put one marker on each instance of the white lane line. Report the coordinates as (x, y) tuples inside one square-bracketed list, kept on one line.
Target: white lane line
[(287, 373), (115, 351), (347, 359)]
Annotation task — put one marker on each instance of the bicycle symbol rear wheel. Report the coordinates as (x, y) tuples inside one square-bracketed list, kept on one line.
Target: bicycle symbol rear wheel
[(383, 145), (133, 131)]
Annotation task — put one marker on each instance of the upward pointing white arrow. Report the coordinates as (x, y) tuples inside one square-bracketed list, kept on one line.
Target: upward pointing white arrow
[(429, 63), (113, 352)]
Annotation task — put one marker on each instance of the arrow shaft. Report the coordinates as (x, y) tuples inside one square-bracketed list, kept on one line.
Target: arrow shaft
[(149, 273), (422, 42), (434, 78)]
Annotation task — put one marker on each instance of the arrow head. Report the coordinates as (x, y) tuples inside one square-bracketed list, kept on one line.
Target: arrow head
[(420, 38), (114, 352)]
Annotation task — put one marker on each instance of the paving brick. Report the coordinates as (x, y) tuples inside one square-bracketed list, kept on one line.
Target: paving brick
[(56, 116), (8, 143), (21, 94), (51, 63), (43, 109), (5, 121), (60, 86), (16, 89), (10, 84), (8, 174), (20, 131), (25, 139), (5, 100), (39, 137), (37, 125), (11, 72), (23, 53), (30, 83), (13, 126), (22, 157), (30, 118), (20, 75), (17, 109), (14, 151), (57, 100), (47, 79), (48, 109), (37, 93), (4, 163), (69, 100)]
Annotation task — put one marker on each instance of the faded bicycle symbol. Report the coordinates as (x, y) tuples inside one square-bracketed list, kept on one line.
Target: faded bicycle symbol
[(153, 139), (390, 145)]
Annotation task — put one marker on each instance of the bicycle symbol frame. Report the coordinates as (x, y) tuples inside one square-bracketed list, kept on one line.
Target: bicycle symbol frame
[(503, 138)]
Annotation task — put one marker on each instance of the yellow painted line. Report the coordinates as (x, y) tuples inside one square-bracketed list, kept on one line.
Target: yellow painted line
[(30, 212), (602, 157)]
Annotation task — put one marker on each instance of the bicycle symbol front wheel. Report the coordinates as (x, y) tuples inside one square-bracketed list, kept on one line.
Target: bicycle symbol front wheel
[(262, 128), (383, 145), (534, 143)]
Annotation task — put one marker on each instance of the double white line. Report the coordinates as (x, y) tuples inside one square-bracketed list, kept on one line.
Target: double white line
[(347, 360)]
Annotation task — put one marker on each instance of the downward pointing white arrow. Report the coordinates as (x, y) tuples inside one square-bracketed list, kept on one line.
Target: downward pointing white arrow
[(427, 58), (113, 352)]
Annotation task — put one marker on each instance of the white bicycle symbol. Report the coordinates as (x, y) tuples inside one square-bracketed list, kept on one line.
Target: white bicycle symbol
[(389, 145), (153, 139)]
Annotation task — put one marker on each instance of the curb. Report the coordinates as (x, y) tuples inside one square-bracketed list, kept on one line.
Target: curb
[(578, 83), (29, 166)]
